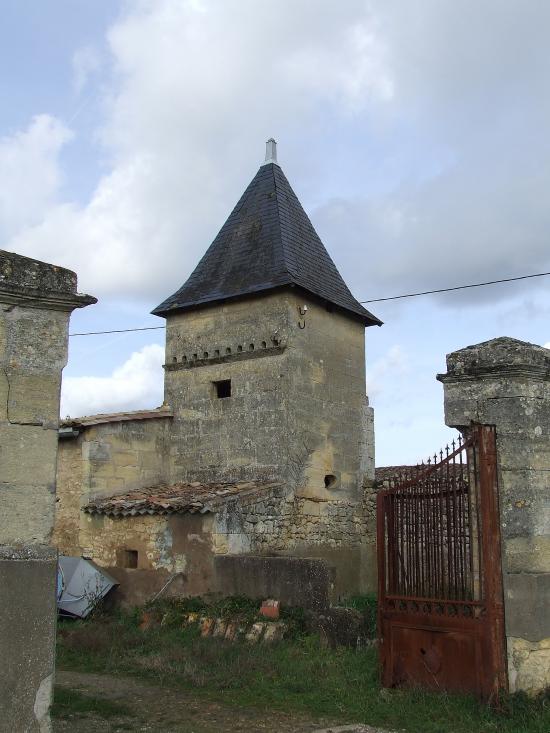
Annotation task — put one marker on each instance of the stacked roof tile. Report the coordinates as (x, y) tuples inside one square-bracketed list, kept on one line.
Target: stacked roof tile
[(88, 420), (180, 498)]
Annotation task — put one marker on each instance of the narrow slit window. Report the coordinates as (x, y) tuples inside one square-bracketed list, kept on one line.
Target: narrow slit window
[(223, 388)]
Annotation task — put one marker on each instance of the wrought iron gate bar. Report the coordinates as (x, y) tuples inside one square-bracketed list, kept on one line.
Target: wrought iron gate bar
[(440, 581)]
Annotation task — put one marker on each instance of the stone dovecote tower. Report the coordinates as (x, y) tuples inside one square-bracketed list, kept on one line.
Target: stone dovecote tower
[(265, 355)]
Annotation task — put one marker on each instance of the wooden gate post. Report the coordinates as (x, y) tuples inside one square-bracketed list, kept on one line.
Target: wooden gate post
[(506, 383)]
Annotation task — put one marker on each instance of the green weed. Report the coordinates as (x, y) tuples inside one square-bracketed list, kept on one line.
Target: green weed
[(367, 605), (299, 675)]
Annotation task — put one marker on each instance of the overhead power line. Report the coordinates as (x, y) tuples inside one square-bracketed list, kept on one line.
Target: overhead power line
[(118, 330), (457, 287), (373, 300)]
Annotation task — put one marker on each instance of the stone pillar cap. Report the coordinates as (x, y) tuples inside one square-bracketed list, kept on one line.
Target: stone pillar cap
[(33, 283), (497, 356)]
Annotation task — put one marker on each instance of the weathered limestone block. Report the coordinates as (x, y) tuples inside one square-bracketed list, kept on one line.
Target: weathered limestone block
[(36, 300), (105, 458), (528, 664), (506, 383)]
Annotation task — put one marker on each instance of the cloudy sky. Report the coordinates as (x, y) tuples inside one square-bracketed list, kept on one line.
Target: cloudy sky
[(416, 135)]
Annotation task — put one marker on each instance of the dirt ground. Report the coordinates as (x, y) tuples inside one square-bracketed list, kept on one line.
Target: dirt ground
[(168, 710)]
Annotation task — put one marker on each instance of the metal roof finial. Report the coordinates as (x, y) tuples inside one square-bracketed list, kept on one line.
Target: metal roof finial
[(270, 151)]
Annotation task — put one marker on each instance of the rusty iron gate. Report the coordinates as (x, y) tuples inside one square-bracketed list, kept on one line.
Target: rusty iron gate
[(441, 618)]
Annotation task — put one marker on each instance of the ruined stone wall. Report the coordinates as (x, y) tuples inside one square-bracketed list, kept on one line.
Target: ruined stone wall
[(506, 383), (103, 460), (35, 303), (175, 549)]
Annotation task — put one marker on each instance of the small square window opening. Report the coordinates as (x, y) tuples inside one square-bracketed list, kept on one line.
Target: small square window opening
[(127, 558), (223, 388)]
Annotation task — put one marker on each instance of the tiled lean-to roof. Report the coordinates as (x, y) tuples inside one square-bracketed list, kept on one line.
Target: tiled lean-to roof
[(89, 420), (267, 242), (180, 498)]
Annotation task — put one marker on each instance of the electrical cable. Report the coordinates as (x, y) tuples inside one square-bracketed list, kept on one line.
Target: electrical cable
[(457, 287), (373, 300)]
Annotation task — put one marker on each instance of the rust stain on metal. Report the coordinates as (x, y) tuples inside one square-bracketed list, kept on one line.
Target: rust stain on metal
[(440, 581)]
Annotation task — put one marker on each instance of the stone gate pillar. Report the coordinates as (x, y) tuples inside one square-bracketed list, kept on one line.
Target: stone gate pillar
[(36, 300), (506, 383)]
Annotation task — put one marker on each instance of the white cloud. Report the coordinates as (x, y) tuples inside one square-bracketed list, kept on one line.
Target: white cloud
[(385, 370), (547, 345), (195, 89), (30, 173), (136, 384), (449, 101)]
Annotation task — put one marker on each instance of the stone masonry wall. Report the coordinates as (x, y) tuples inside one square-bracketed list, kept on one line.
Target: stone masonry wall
[(244, 436), (297, 413), (339, 531), (103, 460), (36, 300), (506, 383), (175, 550), (329, 417)]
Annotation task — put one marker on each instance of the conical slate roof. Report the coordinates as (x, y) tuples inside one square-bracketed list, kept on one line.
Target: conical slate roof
[(267, 242)]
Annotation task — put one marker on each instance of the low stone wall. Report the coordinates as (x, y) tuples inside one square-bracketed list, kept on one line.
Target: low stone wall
[(303, 582)]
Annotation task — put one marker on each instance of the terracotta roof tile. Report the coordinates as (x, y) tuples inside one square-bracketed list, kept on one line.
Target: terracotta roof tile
[(180, 498), (89, 420)]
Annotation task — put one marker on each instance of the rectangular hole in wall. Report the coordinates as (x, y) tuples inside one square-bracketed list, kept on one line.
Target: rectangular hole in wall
[(127, 558), (223, 388)]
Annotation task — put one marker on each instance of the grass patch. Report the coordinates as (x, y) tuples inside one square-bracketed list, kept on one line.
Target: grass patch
[(68, 703), (174, 611), (367, 605), (298, 675)]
